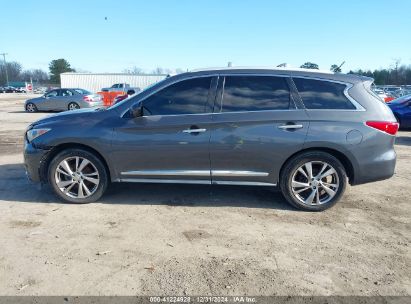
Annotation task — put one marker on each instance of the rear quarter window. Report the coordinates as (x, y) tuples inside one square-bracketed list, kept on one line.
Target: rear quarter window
[(319, 94)]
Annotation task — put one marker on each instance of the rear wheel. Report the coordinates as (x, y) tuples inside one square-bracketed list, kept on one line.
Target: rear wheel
[(73, 106), (313, 181), (77, 176), (31, 107)]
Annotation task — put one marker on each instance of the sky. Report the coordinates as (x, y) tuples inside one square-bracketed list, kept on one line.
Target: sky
[(366, 34)]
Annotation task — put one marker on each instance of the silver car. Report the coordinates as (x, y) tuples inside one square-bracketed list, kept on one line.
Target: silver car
[(64, 99)]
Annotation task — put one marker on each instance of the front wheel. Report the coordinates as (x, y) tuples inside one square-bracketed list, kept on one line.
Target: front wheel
[(313, 181), (73, 106), (77, 176), (31, 107)]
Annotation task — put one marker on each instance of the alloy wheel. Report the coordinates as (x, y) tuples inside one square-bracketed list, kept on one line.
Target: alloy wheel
[(77, 177), (315, 183), (31, 107), (73, 106)]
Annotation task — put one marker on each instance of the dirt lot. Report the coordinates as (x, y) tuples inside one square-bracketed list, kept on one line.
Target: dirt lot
[(198, 240)]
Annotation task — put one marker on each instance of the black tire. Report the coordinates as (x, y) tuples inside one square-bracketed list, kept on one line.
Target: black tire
[(30, 106), (73, 106), (96, 163), (398, 119), (317, 159)]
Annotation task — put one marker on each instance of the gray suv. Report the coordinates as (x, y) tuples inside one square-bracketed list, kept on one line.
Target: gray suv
[(309, 133)]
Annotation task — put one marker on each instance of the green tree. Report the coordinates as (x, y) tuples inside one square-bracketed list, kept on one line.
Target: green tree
[(310, 65), (57, 67), (335, 68)]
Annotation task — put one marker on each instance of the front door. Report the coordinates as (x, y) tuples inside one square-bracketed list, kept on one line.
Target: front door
[(50, 99), (256, 127), (170, 142)]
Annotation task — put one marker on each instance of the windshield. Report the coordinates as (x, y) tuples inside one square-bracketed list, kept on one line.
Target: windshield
[(138, 93), (401, 100)]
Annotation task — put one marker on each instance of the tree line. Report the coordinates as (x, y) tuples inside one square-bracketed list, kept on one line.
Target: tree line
[(395, 75)]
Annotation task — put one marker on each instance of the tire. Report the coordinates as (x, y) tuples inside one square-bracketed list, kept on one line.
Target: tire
[(91, 176), (31, 107), (295, 177), (73, 106), (398, 119)]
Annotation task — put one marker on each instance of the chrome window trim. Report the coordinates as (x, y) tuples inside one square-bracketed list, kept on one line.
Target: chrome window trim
[(348, 86), (236, 173)]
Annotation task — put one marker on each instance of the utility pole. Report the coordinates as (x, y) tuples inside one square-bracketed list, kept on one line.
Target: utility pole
[(5, 68)]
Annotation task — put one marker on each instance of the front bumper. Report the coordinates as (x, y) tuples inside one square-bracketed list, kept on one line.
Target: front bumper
[(34, 160)]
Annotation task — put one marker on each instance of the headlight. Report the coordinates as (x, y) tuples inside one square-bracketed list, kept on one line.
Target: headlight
[(34, 133)]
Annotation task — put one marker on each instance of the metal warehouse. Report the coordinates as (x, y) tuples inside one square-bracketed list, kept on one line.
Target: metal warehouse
[(94, 82)]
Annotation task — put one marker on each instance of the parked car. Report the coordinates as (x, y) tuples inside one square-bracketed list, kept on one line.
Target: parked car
[(380, 93), (2, 90), (40, 90), (62, 100), (401, 107), (21, 90), (309, 133), (10, 89)]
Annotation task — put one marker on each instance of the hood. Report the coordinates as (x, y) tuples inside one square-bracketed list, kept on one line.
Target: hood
[(66, 116), (35, 99)]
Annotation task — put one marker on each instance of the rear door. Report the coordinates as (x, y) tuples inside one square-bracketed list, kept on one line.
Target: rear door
[(66, 96), (256, 127)]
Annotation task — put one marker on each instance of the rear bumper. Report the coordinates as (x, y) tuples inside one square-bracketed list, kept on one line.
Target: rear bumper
[(34, 160), (375, 169), (91, 104)]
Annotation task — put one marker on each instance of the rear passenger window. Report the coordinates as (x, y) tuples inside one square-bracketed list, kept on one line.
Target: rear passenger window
[(318, 94), (255, 93)]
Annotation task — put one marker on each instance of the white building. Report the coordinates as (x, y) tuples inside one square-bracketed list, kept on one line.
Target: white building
[(94, 82)]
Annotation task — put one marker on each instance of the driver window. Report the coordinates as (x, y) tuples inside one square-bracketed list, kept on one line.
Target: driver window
[(184, 97), (53, 93)]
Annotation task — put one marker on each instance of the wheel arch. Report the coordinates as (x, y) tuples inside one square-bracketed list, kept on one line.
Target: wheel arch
[(345, 161), (61, 147)]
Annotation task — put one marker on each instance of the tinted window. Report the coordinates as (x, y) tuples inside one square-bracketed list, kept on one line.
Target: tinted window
[(317, 94), (66, 93), (184, 97), (255, 93), (53, 93)]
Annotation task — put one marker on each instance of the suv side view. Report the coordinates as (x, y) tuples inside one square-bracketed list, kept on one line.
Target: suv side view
[(309, 133)]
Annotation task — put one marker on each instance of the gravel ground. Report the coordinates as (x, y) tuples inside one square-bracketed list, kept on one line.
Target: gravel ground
[(146, 239)]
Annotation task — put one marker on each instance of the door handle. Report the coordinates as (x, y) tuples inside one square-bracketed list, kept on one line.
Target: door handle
[(290, 127), (194, 131)]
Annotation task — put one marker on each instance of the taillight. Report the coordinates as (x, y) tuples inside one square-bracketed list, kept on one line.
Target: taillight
[(87, 98), (384, 126)]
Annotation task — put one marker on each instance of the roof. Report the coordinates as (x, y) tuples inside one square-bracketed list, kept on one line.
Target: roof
[(350, 78), (113, 74)]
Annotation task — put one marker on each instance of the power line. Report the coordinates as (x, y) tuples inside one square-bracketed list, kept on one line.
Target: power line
[(5, 68)]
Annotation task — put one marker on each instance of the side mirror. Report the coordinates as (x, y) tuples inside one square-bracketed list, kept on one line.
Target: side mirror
[(136, 109)]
